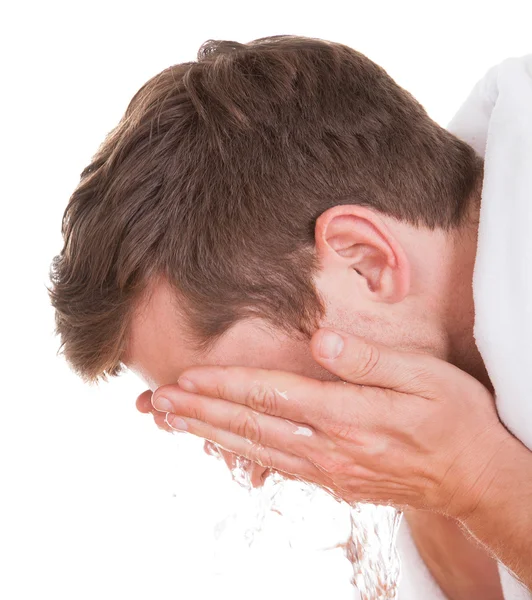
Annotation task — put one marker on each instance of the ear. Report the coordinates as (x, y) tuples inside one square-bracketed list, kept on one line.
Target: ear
[(356, 239)]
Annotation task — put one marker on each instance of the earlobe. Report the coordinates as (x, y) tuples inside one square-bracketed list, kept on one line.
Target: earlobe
[(355, 238)]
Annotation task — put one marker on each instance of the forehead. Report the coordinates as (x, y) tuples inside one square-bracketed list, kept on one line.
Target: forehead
[(160, 345)]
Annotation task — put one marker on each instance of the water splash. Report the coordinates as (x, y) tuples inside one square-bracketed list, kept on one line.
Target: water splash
[(371, 543), (372, 551)]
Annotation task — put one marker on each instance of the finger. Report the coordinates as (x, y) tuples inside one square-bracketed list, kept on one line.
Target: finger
[(245, 422), (269, 458), (256, 473), (259, 475), (227, 457), (161, 422), (276, 393), (143, 402), (144, 405), (212, 450), (358, 361)]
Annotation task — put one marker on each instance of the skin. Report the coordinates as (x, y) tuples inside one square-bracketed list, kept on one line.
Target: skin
[(386, 285)]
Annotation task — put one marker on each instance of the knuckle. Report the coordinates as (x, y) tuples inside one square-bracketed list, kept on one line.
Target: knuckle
[(263, 398), (343, 431), (367, 360), (196, 412), (247, 426), (222, 390)]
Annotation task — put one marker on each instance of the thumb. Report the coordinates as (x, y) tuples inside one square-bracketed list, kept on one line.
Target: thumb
[(359, 361)]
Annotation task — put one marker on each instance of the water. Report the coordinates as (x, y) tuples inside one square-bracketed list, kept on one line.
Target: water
[(372, 551), (370, 545)]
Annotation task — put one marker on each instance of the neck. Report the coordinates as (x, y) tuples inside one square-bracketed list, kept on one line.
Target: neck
[(466, 357), (459, 309)]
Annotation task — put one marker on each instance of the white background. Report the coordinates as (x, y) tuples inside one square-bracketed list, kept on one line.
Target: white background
[(96, 502)]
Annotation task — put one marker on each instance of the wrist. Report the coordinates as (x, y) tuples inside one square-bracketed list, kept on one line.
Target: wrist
[(501, 515), (470, 482)]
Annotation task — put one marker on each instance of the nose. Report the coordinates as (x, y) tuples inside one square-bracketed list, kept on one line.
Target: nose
[(257, 474)]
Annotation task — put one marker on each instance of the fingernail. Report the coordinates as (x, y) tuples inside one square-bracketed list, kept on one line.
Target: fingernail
[(331, 344), (162, 404), (177, 423), (186, 385)]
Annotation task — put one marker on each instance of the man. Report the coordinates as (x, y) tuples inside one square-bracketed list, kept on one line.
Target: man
[(248, 200)]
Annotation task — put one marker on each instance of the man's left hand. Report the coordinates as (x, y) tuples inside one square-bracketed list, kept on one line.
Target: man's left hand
[(397, 428)]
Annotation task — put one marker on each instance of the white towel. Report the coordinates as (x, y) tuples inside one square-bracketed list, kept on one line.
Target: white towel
[(496, 120)]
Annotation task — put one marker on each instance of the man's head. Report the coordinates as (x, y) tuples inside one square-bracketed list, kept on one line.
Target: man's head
[(253, 195)]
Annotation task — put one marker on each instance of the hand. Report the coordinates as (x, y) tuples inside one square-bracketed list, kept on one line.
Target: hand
[(401, 428), (257, 474)]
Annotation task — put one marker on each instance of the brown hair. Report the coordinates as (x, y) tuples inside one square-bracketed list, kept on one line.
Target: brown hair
[(214, 179)]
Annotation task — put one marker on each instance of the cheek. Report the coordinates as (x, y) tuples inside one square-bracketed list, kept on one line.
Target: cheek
[(316, 371), (299, 360)]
